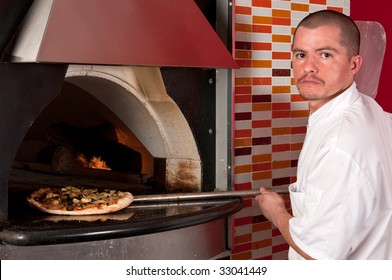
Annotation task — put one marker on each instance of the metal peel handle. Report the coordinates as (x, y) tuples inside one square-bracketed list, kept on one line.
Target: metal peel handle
[(201, 195)]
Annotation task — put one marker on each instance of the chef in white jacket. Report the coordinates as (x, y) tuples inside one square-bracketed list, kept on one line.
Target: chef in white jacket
[(342, 199)]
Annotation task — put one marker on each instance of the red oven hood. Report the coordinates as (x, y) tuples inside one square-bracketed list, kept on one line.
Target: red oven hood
[(120, 32)]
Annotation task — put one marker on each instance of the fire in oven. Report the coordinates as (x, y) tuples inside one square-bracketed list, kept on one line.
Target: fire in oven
[(112, 104)]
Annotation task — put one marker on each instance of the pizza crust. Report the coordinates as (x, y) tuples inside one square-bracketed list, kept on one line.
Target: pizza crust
[(122, 203)]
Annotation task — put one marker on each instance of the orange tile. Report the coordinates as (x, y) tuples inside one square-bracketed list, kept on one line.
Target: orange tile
[(243, 27), (243, 169), (320, 2), (281, 89), (261, 226), (277, 38), (243, 54), (242, 142), (281, 164), (243, 81), (244, 63), (262, 20), (243, 90), (300, 114), (261, 158), (262, 244), (261, 3), (261, 28), (261, 46), (281, 131), (300, 7), (261, 123), (257, 107), (262, 166), (281, 21), (281, 114), (298, 130), (261, 63), (297, 98), (281, 13), (338, 9), (281, 55), (243, 10), (242, 133), (243, 238), (296, 146), (293, 30), (281, 106), (243, 98), (281, 148), (262, 175), (262, 81)]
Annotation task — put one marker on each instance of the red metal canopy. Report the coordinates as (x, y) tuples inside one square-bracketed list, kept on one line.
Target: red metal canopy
[(132, 32)]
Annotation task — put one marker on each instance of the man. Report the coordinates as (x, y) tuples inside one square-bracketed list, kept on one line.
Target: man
[(342, 200)]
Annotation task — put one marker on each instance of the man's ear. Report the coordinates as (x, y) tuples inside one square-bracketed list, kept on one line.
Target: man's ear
[(356, 62)]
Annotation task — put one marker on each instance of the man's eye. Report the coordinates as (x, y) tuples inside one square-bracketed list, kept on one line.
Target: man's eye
[(325, 55), (300, 55)]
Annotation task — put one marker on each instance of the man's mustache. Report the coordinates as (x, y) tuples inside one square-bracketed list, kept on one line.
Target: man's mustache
[(310, 77)]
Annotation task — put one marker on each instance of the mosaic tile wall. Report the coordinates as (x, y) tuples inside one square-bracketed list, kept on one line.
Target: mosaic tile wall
[(269, 116)]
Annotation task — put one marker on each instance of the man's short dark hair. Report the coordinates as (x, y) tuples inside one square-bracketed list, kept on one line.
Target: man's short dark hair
[(349, 33)]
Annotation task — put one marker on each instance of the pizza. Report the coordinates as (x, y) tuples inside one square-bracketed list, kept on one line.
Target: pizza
[(71, 200)]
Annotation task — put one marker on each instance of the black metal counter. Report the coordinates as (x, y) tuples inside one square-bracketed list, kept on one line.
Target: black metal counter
[(27, 226)]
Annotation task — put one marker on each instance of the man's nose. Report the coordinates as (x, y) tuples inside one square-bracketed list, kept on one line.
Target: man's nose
[(310, 65)]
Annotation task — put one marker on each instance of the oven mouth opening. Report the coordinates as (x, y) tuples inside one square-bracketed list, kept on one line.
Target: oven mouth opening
[(119, 118)]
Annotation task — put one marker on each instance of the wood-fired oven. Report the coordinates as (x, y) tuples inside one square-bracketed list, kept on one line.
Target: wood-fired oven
[(128, 87)]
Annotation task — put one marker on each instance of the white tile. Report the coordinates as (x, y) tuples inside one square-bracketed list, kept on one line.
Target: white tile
[(243, 124), (281, 123), (299, 122), (243, 72), (281, 155), (261, 72), (246, 3), (283, 5), (261, 149), (242, 160), (297, 138), (262, 115), (281, 47), (281, 64), (298, 15), (261, 11), (280, 98), (242, 107), (298, 1), (241, 230), (262, 89), (279, 29), (281, 81), (243, 36), (261, 132), (243, 19), (261, 55), (261, 253), (281, 139), (267, 183), (242, 178), (280, 256), (299, 106), (261, 37), (261, 235)]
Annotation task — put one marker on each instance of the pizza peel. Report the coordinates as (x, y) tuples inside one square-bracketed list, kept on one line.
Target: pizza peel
[(178, 197)]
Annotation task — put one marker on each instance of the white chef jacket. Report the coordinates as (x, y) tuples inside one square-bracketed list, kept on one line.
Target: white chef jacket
[(342, 200)]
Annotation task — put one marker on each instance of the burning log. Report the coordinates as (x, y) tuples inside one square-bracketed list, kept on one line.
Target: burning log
[(93, 147)]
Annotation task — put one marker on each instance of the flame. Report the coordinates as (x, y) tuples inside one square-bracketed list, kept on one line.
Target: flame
[(95, 162)]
